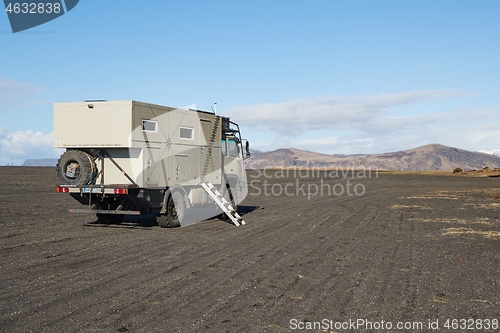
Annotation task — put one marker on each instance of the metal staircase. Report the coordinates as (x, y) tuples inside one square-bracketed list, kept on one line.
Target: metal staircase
[(225, 205)]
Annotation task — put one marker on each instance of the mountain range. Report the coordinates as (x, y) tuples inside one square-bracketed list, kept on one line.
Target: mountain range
[(40, 162), (430, 157)]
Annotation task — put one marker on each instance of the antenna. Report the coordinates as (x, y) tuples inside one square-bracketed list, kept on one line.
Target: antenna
[(214, 108)]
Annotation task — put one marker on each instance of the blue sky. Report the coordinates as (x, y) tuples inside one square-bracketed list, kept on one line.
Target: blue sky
[(327, 76)]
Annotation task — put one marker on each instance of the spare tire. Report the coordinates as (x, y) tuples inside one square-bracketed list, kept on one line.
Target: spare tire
[(76, 167)]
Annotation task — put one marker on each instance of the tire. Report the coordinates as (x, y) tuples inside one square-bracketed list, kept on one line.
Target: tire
[(110, 218), (176, 209), (76, 167)]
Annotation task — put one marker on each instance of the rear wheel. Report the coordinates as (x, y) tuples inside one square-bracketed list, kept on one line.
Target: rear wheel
[(176, 208), (76, 167)]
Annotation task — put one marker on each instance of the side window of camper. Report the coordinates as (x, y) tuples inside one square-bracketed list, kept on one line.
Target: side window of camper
[(233, 148), (186, 133), (224, 148), (149, 125)]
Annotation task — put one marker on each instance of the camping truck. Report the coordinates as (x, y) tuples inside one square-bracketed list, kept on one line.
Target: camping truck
[(133, 158)]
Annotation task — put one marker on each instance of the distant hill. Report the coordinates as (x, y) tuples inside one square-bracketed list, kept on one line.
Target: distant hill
[(429, 157), (40, 162)]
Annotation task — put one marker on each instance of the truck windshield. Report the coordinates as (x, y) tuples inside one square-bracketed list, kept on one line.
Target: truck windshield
[(224, 148), (233, 148)]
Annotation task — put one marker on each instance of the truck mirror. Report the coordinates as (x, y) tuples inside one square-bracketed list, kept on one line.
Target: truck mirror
[(247, 148)]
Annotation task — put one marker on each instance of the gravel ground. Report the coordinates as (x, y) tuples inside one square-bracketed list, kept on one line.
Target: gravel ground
[(391, 249)]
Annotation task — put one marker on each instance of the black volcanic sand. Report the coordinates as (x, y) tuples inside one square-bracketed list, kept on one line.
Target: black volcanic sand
[(412, 248)]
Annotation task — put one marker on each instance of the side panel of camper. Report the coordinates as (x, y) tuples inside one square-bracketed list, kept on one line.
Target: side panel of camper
[(156, 146)]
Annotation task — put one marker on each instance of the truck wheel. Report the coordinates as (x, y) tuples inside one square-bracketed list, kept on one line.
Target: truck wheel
[(76, 167), (176, 209)]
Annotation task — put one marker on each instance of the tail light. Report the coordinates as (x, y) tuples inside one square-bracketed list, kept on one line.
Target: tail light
[(60, 189), (120, 191)]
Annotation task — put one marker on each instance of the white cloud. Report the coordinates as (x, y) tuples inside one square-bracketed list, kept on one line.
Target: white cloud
[(11, 90), (371, 123), (368, 113), (463, 135), (21, 145), (495, 152), (320, 141), (483, 136)]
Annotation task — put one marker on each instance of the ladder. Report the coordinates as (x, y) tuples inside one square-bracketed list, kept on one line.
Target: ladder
[(210, 148), (225, 205)]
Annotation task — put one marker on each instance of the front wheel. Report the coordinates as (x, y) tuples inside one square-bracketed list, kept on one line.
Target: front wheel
[(176, 209)]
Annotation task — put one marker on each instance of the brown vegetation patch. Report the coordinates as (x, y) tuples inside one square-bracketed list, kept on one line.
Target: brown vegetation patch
[(439, 299), (431, 197), (483, 221), (491, 205), (490, 234), (410, 207), (484, 172)]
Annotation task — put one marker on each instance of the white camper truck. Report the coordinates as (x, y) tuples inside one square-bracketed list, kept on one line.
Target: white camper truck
[(131, 158)]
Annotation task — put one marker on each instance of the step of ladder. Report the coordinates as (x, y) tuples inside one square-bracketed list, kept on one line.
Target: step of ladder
[(225, 205)]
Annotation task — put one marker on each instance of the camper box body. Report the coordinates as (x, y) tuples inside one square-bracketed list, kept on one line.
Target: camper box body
[(156, 146)]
